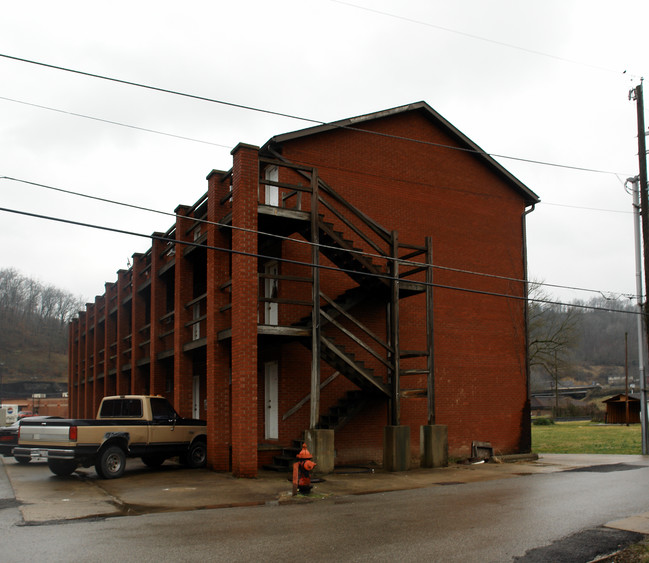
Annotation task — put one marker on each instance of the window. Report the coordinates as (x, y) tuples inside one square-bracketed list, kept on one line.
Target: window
[(162, 410), (121, 408)]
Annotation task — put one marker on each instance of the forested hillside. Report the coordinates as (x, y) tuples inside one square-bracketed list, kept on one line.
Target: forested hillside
[(33, 329), (577, 346), (581, 346)]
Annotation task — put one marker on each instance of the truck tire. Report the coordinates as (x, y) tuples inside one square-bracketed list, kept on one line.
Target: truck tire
[(111, 463), (62, 467), (196, 456), (23, 460), (153, 461)]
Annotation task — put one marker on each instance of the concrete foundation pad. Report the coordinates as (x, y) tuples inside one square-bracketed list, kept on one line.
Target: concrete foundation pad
[(396, 448), (433, 443), (320, 444)]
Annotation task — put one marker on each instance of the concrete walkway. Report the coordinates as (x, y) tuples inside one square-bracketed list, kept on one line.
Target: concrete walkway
[(43, 497)]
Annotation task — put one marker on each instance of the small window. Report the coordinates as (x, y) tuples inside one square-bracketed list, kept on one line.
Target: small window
[(121, 408), (161, 410)]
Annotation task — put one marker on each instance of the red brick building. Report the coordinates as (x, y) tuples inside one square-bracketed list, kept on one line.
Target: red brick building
[(335, 227)]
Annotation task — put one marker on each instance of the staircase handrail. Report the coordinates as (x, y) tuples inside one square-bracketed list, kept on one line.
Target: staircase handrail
[(353, 227), (378, 229), (356, 339), (307, 172), (353, 320)]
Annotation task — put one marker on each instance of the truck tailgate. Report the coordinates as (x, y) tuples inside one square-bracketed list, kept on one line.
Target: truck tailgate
[(44, 434)]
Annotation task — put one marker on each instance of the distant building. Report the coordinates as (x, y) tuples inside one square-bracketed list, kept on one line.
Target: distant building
[(299, 292), (616, 409)]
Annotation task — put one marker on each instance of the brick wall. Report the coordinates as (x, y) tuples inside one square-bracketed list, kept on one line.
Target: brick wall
[(420, 190), (474, 219), (244, 312), (219, 438), (182, 315)]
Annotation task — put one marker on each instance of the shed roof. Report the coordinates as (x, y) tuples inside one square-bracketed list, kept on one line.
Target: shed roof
[(633, 398), (422, 107)]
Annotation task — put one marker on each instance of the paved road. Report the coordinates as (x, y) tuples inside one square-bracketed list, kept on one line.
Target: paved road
[(540, 517)]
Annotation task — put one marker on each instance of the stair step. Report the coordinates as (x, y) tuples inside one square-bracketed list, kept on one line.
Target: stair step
[(340, 413)]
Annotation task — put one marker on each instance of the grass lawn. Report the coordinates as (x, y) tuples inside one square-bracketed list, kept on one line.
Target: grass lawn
[(586, 438)]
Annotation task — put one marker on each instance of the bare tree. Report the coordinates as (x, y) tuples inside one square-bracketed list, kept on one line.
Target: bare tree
[(34, 308), (553, 332), (11, 293)]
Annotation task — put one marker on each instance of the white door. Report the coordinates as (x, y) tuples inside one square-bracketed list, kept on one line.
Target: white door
[(270, 393), (196, 397), (272, 192), (271, 291)]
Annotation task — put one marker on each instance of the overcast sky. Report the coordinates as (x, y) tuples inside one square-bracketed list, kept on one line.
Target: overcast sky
[(544, 81)]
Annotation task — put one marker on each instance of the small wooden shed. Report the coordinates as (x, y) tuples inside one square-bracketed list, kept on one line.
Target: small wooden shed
[(616, 408)]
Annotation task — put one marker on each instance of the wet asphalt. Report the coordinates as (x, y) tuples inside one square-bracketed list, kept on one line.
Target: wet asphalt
[(557, 508), (44, 497)]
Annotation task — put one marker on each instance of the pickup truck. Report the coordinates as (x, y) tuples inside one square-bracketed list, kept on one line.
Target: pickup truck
[(141, 426)]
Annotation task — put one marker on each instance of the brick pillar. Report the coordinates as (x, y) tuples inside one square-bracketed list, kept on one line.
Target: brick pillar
[(244, 311), (110, 339), (110, 329), (157, 383), (123, 386), (81, 358), (138, 321), (99, 367), (183, 369), (218, 354), (73, 369), (89, 362)]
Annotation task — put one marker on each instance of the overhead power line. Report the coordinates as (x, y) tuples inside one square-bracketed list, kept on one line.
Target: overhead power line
[(114, 122), (309, 120), (584, 208), (304, 242), (481, 38), (307, 264), (159, 89)]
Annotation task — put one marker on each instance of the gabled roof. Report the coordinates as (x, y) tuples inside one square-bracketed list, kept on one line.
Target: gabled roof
[(621, 398), (422, 107)]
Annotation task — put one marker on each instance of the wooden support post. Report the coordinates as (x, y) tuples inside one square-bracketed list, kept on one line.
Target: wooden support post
[(315, 316), (429, 331), (394, 332)]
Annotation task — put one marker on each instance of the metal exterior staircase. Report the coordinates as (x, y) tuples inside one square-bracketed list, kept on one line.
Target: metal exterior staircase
[(370, 256), (337, 416)]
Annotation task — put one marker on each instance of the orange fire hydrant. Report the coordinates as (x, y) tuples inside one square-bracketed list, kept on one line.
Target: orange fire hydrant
[(302, 472)]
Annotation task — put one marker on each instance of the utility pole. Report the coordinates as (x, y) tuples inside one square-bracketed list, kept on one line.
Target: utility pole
[(626, 376), (640, 328), (637, 95)]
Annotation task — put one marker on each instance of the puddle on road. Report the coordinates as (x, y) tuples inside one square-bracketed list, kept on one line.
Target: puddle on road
[(607, 468)]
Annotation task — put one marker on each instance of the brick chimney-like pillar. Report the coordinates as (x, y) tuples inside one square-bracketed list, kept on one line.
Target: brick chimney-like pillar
[(245, 172)]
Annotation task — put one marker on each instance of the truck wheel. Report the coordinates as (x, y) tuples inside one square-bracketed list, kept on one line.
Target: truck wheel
[(153, 460), (111, 463), (22, 459), (196, 456), (61, 467)]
